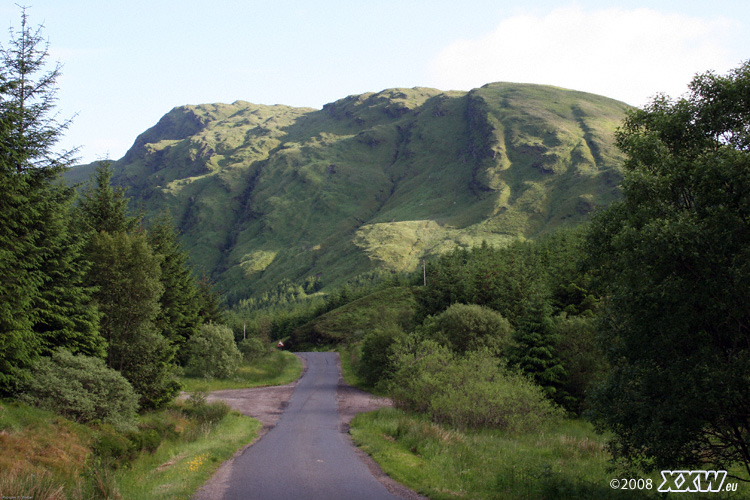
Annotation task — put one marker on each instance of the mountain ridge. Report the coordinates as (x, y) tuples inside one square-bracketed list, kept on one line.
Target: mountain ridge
[(376, 180)]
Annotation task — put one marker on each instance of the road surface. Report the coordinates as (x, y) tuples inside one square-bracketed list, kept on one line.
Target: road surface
[(306, 456)]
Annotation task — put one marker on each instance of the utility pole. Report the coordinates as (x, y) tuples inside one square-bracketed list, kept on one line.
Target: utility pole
[(424, 271)]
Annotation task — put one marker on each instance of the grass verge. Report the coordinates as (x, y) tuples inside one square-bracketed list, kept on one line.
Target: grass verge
[(348, 354), (278, 368), (171, 454), (177, 469), (569, 461)]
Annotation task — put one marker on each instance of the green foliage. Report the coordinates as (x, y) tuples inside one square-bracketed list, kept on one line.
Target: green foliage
[(210, 307), (206, 414), (66, 315), (113, 447), (213, 352), (674, 260), (126, 274), (582, 357), (81, 388), (466, 391), (179, 305), (536, 351), (507, 280), (253, 348), (276, 368), (470, 327), (375, 361), (349, 314), (31, 237), (528, 284), (102, 207)]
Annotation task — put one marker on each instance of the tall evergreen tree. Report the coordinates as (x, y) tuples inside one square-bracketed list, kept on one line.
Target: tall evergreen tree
[(126, 274), (178, 317), (65, 314), (33, 252), (103, 207), (536, 352), (210, 308)]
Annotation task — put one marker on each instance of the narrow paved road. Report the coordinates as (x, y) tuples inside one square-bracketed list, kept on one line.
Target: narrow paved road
[(306, 456)]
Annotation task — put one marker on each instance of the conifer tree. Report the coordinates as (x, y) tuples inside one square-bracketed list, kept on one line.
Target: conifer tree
[(65, 313), (536, 353), (102, 207), (34, 252), (178, 318), (126, 274)]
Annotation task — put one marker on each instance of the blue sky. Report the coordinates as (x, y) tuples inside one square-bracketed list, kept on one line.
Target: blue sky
[(125, 64)]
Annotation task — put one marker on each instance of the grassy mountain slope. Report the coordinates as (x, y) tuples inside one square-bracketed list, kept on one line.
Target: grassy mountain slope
[(263, 193), (349, 323)]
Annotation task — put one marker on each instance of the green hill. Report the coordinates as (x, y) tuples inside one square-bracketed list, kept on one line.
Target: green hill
[(378, 180), (349, 323)]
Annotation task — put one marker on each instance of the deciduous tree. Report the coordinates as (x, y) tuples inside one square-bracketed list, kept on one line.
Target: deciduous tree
[(674, 260)]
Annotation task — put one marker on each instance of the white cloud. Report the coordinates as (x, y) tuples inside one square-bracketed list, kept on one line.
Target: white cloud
[(625, 54)]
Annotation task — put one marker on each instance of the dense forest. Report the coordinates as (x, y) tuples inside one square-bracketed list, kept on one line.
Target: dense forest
[(636, 320)]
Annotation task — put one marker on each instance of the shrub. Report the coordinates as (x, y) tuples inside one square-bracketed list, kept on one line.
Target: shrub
[(469, 327), (375, 361), (112, 447), (467, 391), (253, 348), (81, 388), (205, 414), (213, 352)]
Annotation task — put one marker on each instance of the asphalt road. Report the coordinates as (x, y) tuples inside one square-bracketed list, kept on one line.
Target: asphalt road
[(306, 456)]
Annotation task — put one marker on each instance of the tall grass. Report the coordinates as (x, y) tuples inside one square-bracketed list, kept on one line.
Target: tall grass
[(173, 452), (567, 461), (177, 469)]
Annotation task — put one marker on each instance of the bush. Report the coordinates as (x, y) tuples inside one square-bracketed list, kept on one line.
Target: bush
[(113, 448), (213, 352), (469, 327), (466, 391), (205, 414), (375, 361), (82, 388), (253, 348)]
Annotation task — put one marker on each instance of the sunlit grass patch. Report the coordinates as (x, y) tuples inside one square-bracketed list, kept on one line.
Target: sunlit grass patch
[(177, 470), (278, 368), (565, 461)]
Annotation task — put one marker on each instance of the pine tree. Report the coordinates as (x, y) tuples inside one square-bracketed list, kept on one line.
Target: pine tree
[(34, 251), (178, 318), (536, 350), (20, 279), (210, 309), (65, 313), (103, 207), (126, 274)]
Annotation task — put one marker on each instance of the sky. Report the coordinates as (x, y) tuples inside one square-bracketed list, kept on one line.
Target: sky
[(127, 63)]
